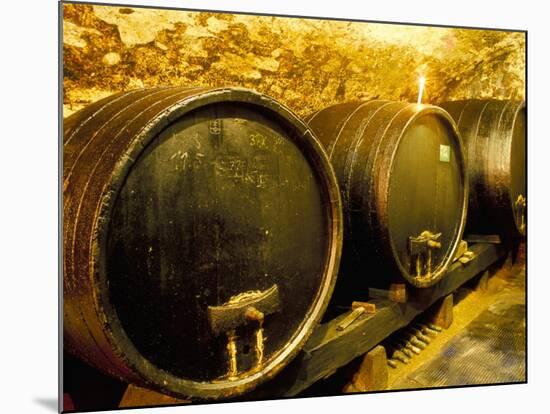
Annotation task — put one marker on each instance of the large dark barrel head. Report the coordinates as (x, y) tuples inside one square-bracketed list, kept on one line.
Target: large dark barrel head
[(402, 176), (426, 193), (494, 134), (221, 202), (215, 243)]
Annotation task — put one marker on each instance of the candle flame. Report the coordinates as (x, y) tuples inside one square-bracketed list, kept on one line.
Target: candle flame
[(421, 83)]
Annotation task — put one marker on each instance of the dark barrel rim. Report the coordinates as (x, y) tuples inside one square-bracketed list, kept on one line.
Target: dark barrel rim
[(420, 111), (162, 380), (521, 106)]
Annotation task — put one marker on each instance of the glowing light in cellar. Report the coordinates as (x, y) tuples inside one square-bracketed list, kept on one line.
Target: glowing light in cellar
[(421, 83)]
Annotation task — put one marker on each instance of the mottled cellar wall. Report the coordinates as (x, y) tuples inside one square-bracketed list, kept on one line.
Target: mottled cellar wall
[(306, 64)]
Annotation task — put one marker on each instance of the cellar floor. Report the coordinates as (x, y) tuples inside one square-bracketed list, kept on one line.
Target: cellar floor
[(484, 345)]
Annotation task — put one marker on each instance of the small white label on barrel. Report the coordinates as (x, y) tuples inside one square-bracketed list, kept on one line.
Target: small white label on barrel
[(445, 153)]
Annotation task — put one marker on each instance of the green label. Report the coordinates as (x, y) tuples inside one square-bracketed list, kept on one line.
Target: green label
[(445, 153)]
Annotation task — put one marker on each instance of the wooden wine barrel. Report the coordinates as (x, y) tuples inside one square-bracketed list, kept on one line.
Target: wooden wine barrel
[(403, 184), (202, 238), (494, 134)]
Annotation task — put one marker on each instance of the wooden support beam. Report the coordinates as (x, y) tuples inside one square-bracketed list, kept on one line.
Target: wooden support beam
[(483, 282), (328, 348), (443, 312), (398, 293), (372, 374), (142, 397)]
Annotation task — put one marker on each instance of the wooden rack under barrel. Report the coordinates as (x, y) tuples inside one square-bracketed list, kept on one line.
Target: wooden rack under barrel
[(331, 347)]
